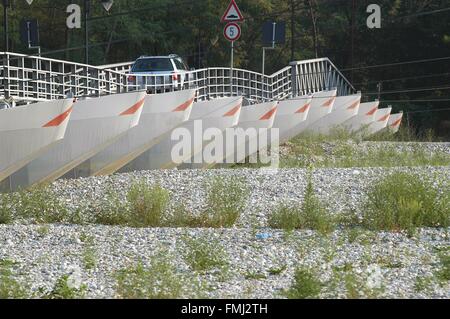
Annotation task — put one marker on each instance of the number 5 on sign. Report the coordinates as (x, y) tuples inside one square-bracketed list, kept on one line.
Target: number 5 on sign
[(232, 32)]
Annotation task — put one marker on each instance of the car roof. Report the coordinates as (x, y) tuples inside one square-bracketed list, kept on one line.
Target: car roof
[(171, 56)]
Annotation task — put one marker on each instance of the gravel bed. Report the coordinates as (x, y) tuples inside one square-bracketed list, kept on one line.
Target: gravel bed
[(387, 265), (340, 189), (383, 265)]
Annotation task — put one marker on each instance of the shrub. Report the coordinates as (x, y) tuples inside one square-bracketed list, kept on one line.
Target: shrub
[(158, 281), (203, 255), (5, 210), (63, 290), (285, 217), (144, 206), (305, 285), (9, 287), (311, 215), (147, 204), (403, 201), (225, 202)]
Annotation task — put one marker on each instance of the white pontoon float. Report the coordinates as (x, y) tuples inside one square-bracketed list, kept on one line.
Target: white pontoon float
[(28, 131), (95, 123)]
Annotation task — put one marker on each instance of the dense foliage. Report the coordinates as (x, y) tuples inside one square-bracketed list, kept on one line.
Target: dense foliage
[(411, 30)]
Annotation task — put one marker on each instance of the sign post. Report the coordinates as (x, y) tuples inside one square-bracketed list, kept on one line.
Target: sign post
[(232, 31)]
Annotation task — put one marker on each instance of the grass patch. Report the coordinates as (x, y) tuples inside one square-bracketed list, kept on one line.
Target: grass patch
[(404, 201), (64, 290), (147, 204), (226, 200), (9, 287), (5, 210), (39, 204), (311, 215), (343, 149), (144, 206), (443, 275), (157, 281), (305, 285), (202, 254)]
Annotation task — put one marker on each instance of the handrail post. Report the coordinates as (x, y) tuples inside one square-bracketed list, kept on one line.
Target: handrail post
[(294, 77)]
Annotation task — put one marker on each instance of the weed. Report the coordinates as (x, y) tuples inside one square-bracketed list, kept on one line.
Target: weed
[(147, 204), (202, 254), (305, 285), (277, 270), (9, 287), (311, 215), (225, 202), (158, 281), (403, 201), (64, 290)]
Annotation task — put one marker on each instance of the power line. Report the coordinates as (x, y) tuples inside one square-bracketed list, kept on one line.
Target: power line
[(404, 78), (396, 64)]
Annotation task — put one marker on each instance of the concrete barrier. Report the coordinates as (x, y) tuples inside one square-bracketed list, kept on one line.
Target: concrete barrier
[(161, 113), (218, 113), (95, 123), (345, 107), (381, 121), (28, 131), (321, 105), (395, 120), (365, 116)]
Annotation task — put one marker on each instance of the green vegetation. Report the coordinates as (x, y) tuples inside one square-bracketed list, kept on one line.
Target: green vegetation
[(9, 287), (404, 201), (148, 204), (444, 274), (305, 285), (226, 200), (203, 254), (63, 290), (311, 215), (144, 207), (5, 210), (157, 281), (345, 150), (38, 204)]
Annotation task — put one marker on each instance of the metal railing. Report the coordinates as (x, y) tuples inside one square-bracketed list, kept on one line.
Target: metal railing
[(32, 78), (316, 75)]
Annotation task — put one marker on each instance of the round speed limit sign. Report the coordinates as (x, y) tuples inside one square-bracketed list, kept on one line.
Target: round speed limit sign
[(232, 31)]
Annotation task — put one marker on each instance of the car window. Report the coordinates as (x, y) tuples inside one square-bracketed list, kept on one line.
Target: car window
[(152, 65), (180, 65)]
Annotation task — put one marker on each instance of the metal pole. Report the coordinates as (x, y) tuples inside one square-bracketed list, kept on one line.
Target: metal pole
[(231, 68), (86, 29), (263, 61), (5, 23)]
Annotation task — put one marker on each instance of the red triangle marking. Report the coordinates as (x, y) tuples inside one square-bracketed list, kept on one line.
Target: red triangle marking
[(384, 118), (329, 102), (396, 123), (269, 114), (59, 119), (372, 111), (303, 108), (233, 111), (353, 106), (184, 106), (134, 108)]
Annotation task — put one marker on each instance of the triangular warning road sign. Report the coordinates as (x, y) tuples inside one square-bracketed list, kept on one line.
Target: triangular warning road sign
[(232, 14)]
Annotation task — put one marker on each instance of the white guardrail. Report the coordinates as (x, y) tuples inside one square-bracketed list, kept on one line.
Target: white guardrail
[(26, 78)]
